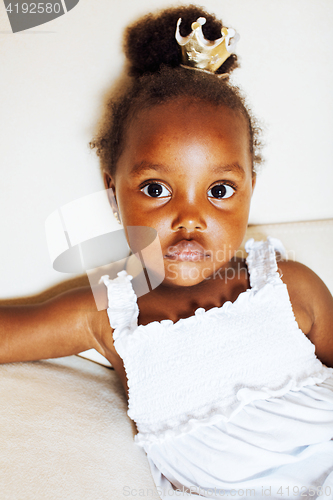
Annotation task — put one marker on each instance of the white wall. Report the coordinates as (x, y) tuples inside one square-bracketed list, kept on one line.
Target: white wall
[(52, 82)]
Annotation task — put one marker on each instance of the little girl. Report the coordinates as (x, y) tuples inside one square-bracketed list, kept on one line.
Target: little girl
[(227, 363)]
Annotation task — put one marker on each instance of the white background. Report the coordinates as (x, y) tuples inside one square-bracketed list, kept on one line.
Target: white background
[(53, 82)]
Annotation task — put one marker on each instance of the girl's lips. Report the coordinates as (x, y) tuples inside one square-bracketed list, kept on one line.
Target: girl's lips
[(187, 250)]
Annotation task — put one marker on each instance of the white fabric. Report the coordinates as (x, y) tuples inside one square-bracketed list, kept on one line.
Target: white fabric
[(232, 398)]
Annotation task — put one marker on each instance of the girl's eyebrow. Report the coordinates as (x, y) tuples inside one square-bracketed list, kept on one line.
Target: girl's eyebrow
[(232, 167), (144, 166)]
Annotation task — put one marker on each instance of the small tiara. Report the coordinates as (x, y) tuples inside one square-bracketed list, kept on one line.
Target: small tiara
[(202, 54)]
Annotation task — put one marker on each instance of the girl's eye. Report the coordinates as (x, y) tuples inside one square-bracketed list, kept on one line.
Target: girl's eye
[(155, 190), (221, 191)]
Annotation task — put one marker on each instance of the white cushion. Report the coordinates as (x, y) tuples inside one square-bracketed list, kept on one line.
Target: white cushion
[(65, 433)]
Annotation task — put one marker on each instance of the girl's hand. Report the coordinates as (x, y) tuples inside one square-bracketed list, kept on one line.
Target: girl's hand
[(312, 304)]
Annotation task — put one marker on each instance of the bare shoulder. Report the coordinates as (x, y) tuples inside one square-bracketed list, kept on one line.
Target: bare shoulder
[(102, 331), (312, 304), (82, 302)]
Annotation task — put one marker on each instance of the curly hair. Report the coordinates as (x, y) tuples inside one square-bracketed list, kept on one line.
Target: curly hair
[(155, 77)]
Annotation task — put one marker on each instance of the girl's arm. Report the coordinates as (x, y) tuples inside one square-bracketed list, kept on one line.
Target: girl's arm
[(312, 305), (61, 326)]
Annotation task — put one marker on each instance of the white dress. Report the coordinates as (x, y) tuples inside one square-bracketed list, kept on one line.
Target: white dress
[(230, 402)]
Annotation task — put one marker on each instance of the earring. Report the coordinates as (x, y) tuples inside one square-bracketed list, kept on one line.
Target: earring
[(116, 216)]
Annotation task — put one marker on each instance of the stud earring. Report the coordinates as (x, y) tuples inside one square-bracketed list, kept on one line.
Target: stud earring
[(116, 216)]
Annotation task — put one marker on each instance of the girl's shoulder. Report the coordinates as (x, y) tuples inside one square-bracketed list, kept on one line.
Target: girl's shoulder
[(312, 304), (99, 322)]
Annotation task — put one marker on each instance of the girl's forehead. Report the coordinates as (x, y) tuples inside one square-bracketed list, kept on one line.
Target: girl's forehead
[(183, 128)]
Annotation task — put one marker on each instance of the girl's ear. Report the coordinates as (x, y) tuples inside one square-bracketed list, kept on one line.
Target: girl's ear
[(110, 186), (108, 181), (254, 180)]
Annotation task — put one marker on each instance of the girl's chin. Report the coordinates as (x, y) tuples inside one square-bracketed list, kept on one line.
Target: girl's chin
[(182, 273), (180, 283)]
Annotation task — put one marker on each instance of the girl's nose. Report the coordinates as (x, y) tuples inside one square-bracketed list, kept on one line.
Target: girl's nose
[(189, 218)]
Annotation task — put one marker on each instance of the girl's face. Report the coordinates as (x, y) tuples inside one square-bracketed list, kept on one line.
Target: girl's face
[(186, 171)]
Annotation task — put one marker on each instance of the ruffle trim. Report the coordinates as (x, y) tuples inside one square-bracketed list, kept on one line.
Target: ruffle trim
[(245, 396), (243, 300), (123, 309), (261, 261)]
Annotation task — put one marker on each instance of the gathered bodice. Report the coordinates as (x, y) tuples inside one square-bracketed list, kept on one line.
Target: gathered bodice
[(210, 365)]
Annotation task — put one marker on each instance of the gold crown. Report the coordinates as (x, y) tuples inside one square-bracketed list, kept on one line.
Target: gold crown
[(203, 54)]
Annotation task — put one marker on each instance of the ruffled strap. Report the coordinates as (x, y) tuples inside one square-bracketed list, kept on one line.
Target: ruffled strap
[(261, 261), (123, 309)]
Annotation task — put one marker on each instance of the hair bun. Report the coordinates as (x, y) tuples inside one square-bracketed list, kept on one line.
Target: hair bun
[(150, 42)]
